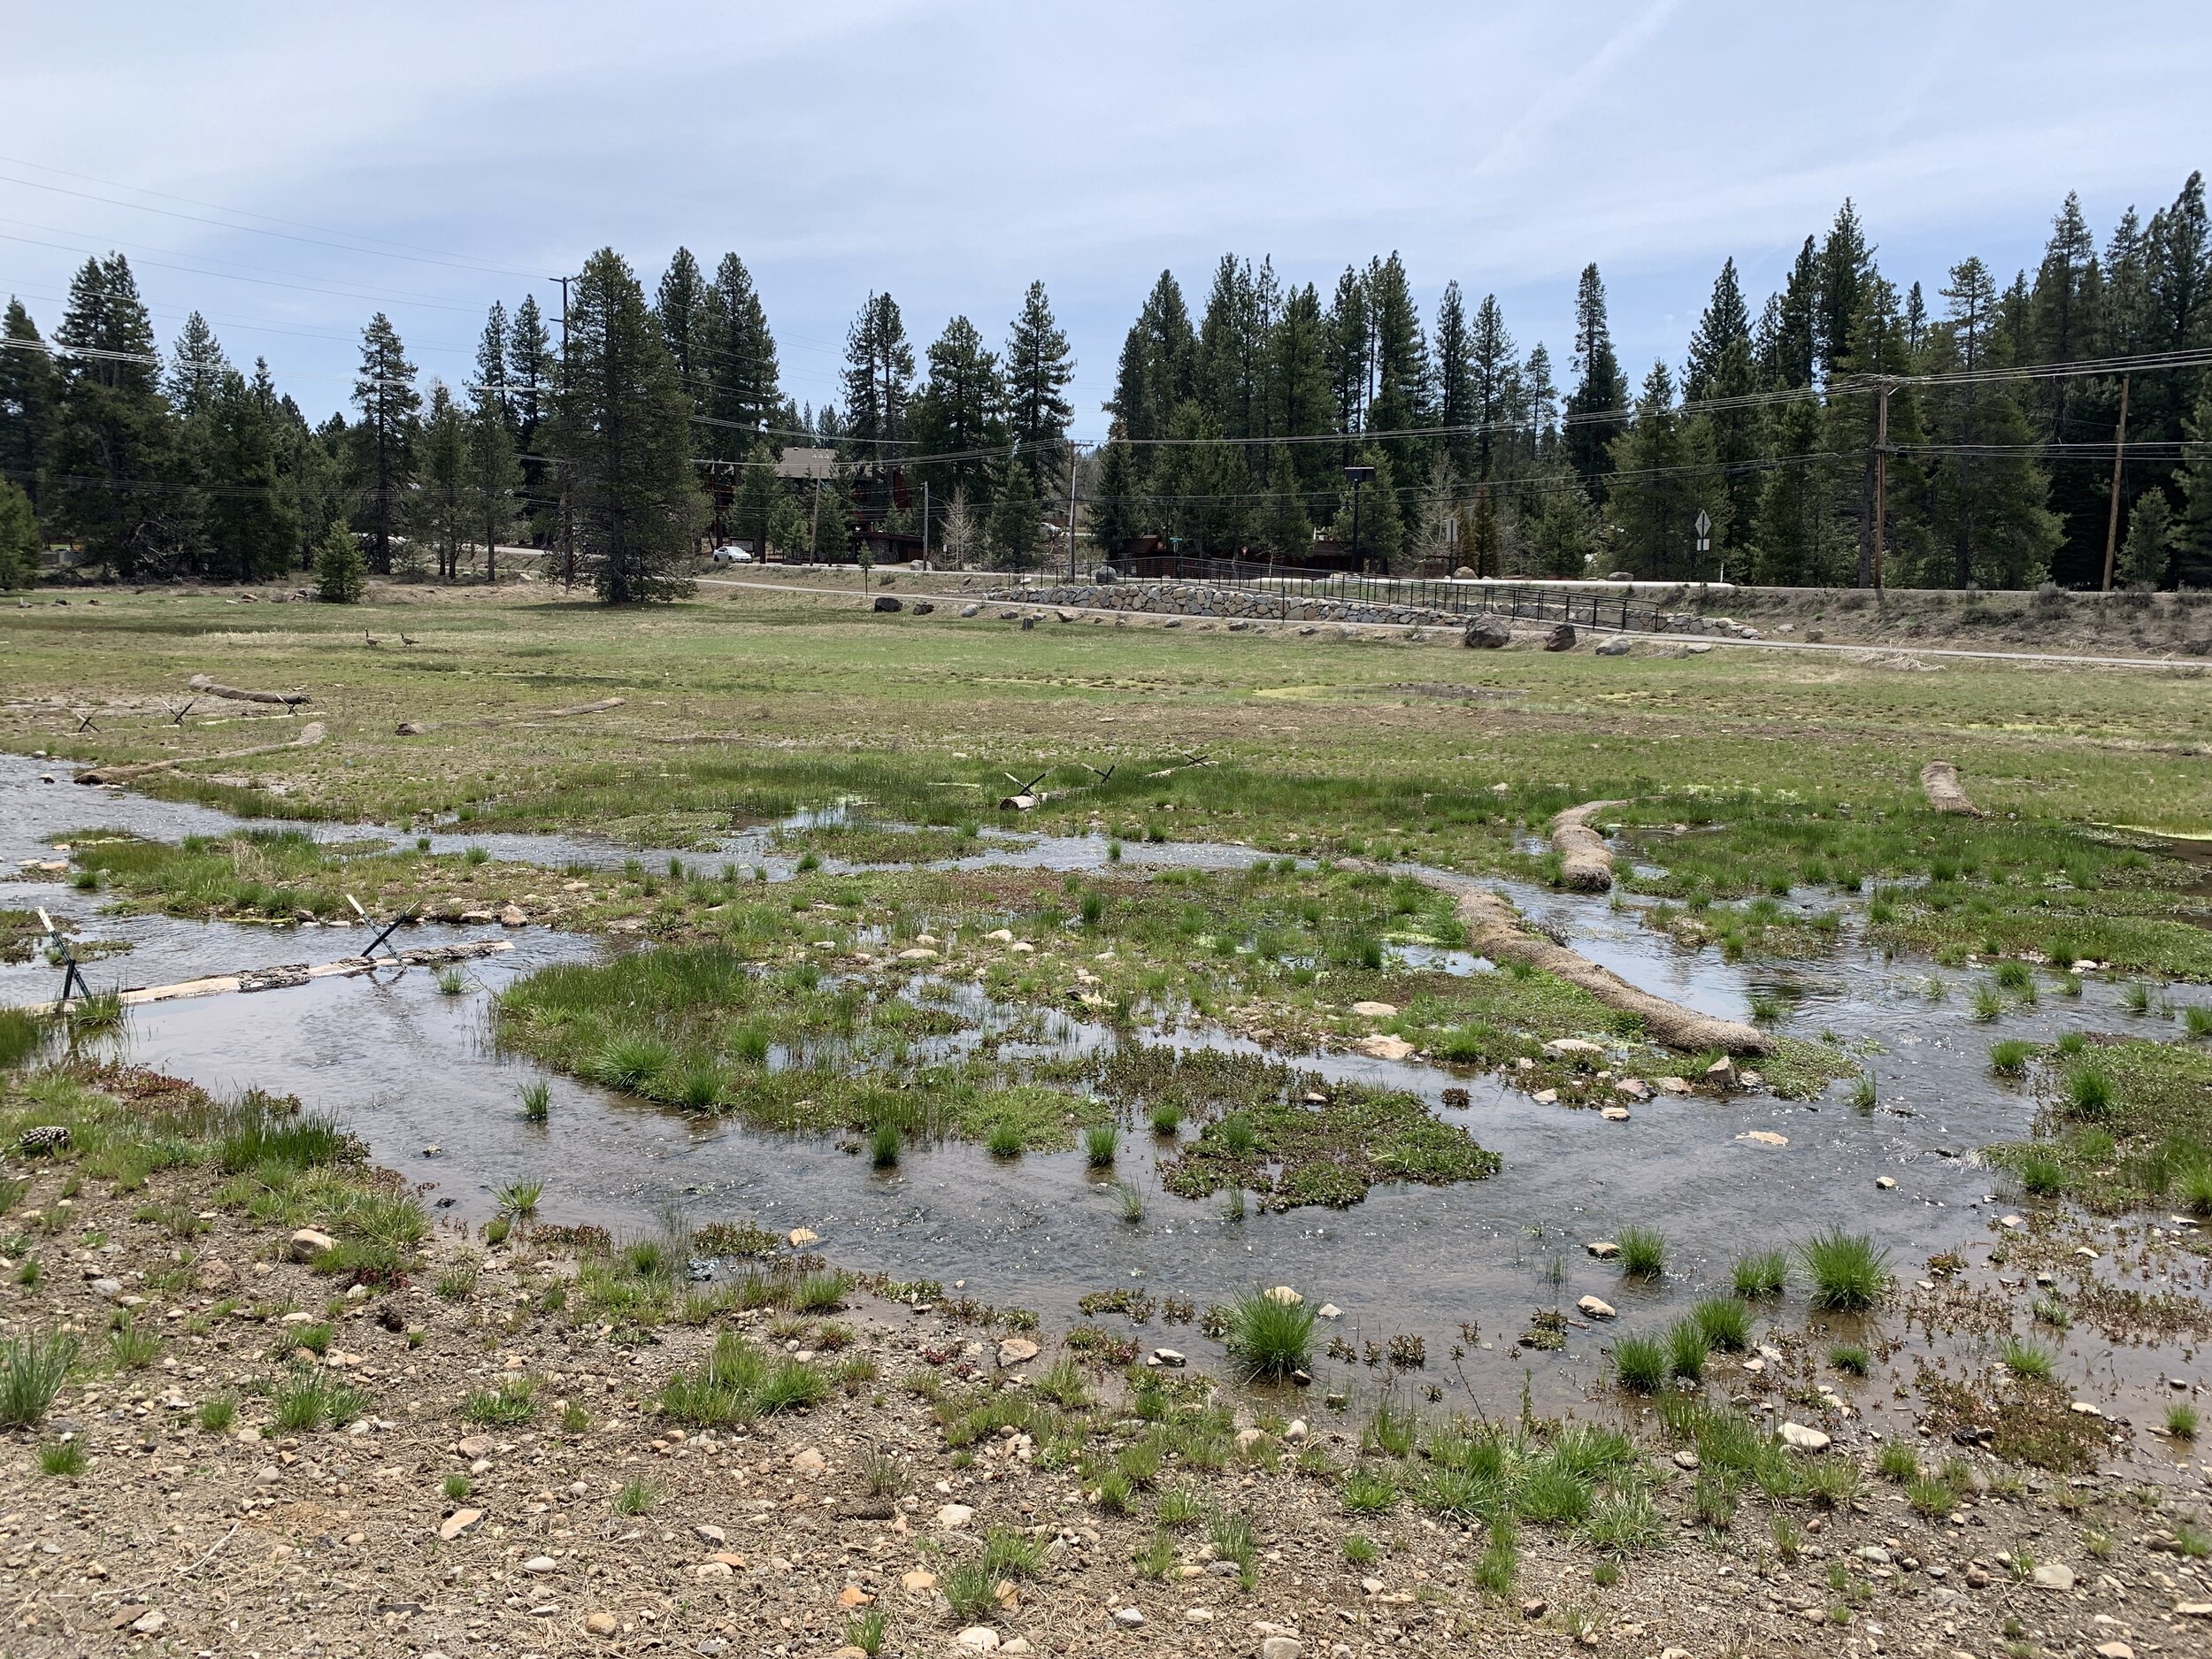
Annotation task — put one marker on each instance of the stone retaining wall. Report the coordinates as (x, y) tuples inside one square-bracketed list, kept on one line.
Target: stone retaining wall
[(1189, 599)]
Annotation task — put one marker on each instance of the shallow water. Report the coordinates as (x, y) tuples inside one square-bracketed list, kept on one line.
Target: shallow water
[(408, 1067)]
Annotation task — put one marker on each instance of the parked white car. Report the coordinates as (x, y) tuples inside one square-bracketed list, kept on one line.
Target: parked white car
[(732, 555)]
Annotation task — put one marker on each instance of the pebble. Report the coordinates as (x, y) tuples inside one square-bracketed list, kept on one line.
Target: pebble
[(1376, 1010), (1282, 1648), (1295, 1432), (2053, 1575), (458, 1522), (917, 1582), (1764, 1138), (602, 1623), (1283, 1296), (539, 1563), (2115, 1650), (1805, 1439), (107, 1288), (809, 1461), (799, 1238), (1129, 1617), (1591, 1306), (1884, 1182), (1016, 1350), (954, 1515), (1685, 1459), (1604, 1249), (1614, 1114), (1330, 1310), (1168, 1356), (977, 1638)]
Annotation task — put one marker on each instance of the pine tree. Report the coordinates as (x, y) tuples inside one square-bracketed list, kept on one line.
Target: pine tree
[(197, 366), (494, 483), (682, 310), (1788, 340), (1284, 527), (1038, 369), (439, 511), (1600, 388), (384, 440), (529, 393), (1847, 264), (1721, 368), (1298, 381), (1158, 370), (956, 410), (20, 542), (248, 518), (1989, 509), (1401, 358), (489, 392), (2192, 532), (1199, 485), (1232, 349), (341, 572), (112, 435), (1496, 389), (1564, 530), (1664, 477), (743, 395), (2150, 541), (1017, 524), (962, 535), (1795, 539), (879, 374), (27, 400), (1453, 378), (1350, 345), (622, 436), (1117, 512)]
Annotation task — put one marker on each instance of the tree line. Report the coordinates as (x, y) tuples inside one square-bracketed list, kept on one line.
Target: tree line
[(662, 420), (1232, 433)]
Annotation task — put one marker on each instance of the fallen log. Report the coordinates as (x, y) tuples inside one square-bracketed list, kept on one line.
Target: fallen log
[(1494, 930), (423, 728), (310, 735), (290, 699), (1585, 862), (248, 979), (1940, 780)]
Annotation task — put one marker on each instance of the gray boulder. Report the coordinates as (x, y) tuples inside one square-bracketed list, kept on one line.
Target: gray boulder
[(1487, 633), (1562, 638)]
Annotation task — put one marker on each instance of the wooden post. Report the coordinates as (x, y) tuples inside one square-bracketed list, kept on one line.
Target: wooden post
[(2112, 521), (1881, 480)]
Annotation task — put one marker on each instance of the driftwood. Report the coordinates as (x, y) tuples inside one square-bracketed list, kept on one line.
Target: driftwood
[(1493, 930), (1585, 862), (310, 735), (300, 973), (422, 728), (1940, 779), (290, 699)]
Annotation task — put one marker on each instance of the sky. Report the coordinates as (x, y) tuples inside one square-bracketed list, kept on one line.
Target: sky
[(288, 170)]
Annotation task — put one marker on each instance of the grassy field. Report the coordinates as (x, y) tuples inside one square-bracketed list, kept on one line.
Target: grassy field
[(754, 703)]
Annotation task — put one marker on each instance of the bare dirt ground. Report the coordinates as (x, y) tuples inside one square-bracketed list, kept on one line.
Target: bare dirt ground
[(777, 1538)]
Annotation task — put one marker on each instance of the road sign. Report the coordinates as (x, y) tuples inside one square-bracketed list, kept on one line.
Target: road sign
[(1704, 531)]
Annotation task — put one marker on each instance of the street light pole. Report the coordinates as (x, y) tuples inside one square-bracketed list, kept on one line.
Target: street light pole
[(1358, 475)]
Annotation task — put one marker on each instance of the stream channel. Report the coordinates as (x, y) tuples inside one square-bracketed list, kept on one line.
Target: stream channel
[(407, 1067)]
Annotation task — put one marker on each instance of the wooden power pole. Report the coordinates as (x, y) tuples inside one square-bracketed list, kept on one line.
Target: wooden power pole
[(1881, 479), (2112, 520), (568, 524)]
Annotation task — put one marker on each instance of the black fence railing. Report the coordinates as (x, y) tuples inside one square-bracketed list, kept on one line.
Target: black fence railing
[(1535, 602)]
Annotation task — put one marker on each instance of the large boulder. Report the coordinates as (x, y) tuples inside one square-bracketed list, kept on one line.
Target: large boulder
[(887, 602), (1487, 633), (1562, 638), (1106, 576), (1619, 645)]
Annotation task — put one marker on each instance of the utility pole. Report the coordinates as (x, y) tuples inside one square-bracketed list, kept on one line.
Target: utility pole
[(1881, 479), (568, 522), (924, 521), (1072, 454), (2112, 522)]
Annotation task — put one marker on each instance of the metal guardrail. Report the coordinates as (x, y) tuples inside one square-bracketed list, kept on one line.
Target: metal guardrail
[(1528, 601)]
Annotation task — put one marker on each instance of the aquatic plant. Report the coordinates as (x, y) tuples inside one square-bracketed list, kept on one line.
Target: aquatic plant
[(1268, 1337), (1101, 1141), (1725, 1321), (521, 1198), (2088, 1092), (537, 1101), (2010, 1057), (1848, 1270), (1687, 1349), (2026, 1360), (1643, 1252), (1762, 1273), (1641, 1364), (884, 1146)]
